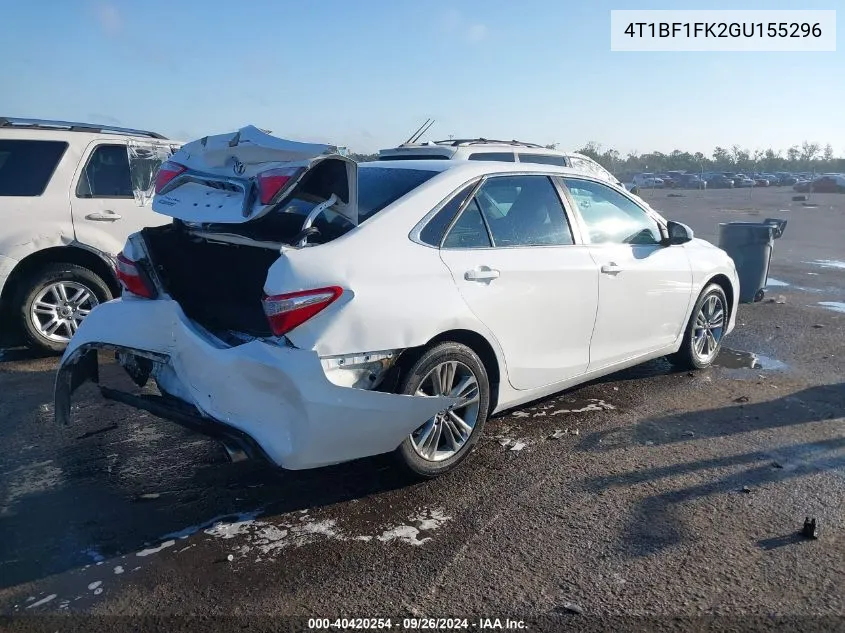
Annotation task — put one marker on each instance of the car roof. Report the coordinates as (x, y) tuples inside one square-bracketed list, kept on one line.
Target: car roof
[(471, 168)]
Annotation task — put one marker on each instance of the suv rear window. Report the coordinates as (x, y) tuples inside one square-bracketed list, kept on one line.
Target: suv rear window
[(27, 166), (543, 159), (500, 157), (415, 157)]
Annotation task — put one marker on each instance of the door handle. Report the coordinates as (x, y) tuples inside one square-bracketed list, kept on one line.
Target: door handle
[(611, 269), (482, 273), (103, 216)]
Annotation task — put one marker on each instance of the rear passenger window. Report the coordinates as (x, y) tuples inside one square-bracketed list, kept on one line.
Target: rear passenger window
[(432, 233), (500, 157), (27, 166), (469, 231), (543, 159), (524, 211), (106, 174)]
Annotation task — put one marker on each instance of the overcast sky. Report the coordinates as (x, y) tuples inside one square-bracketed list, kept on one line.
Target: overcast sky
[(365, 74)]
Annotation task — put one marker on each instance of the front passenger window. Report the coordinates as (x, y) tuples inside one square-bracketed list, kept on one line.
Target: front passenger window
[(610, 216)]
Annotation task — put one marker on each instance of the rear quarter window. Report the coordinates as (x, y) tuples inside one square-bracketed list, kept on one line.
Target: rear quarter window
[(27, 166), (543, 159)]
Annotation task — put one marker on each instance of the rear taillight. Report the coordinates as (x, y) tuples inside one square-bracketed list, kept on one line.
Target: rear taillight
[(130, 277), (287, 311), (272, 181), (167, 172)]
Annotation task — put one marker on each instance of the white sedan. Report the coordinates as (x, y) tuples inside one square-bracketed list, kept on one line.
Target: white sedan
[(311, 311)]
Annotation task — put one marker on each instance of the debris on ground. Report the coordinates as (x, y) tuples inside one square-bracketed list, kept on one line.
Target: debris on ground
[(148, 496), (518, 446), (741, 399), (780, 299), (505, 441), (649, 443), (745, 489), (777, 465), (689, 433), (230, 558), (811, 528), (558, 434), (573, 607), (818, 326)]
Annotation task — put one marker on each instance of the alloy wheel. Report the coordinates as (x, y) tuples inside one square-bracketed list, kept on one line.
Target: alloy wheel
[(59, 308), (443, 435), (709, 328)]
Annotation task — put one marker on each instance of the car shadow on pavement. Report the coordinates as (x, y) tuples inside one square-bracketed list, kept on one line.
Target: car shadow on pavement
[(121, 480), (740, 416), (656, 522)]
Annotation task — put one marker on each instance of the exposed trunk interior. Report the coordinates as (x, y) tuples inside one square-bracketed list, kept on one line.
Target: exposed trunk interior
[(218, 285)]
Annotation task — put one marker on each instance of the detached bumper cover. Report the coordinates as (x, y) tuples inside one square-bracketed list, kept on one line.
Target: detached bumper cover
[(275, 398)]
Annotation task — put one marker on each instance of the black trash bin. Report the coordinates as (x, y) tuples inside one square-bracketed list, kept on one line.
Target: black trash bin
[(750, 245)]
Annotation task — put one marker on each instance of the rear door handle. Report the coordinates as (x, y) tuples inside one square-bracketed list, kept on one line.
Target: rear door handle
[(611, 269), (103, 216), (482, 273)]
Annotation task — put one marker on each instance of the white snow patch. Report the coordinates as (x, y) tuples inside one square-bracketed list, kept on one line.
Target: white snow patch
[(156, 550), (94, 585), (193, 529), (43, 601), (521, 414), (595, 405), (828, 263), (836, 306), (118, 570)]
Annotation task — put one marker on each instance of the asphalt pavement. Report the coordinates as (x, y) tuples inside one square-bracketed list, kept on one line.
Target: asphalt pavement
[(649, 495)]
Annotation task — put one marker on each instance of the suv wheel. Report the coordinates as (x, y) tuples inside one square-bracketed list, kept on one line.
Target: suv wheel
[(53, 301)]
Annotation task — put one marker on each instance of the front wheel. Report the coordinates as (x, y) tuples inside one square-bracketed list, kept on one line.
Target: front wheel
[(703, 335), (444, 441)]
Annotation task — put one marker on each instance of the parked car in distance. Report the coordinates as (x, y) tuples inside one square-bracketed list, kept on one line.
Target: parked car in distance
[(691, 181), (669, 181), (832, 183), (67, 204), (774, 179), (760, 180), (741, 180), (648, 181), (267, 315), (785, 178), (718, 181)]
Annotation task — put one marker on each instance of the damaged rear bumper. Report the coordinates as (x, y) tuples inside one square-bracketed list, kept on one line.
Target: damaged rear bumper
[(259, 399)]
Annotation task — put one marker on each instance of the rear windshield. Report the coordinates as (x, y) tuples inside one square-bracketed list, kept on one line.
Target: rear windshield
[(26, 166), (543, 159), (379, 187), (415, 157)]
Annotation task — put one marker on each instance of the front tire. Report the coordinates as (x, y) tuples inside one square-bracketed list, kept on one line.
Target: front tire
[(705, 330), (445, 440), (53, 301)]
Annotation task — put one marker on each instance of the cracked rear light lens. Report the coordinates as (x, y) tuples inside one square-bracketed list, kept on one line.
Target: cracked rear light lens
[(167, 172), (130, 278)]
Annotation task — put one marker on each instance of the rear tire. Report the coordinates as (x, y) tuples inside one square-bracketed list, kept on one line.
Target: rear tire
[(445, 440), (705, 330), (53, 293)]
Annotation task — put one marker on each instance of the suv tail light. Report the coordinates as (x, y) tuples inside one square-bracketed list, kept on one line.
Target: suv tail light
[(131, 279), (272, 181), (287, 311), (167, 172)]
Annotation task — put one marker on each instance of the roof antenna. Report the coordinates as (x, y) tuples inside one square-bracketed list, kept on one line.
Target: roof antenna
[(419, 132), (420, 135)]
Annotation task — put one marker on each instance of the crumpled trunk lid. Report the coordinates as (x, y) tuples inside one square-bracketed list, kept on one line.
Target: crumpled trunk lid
[(220, 181)]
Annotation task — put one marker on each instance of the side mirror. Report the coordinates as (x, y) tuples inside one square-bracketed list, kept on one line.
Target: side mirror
[(677, 234)]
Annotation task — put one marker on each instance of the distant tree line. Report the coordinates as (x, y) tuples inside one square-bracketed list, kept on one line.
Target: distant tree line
[(810, 157)]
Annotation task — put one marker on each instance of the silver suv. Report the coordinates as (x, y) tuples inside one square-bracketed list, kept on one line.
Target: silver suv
[(67, 204), (501, 151)]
